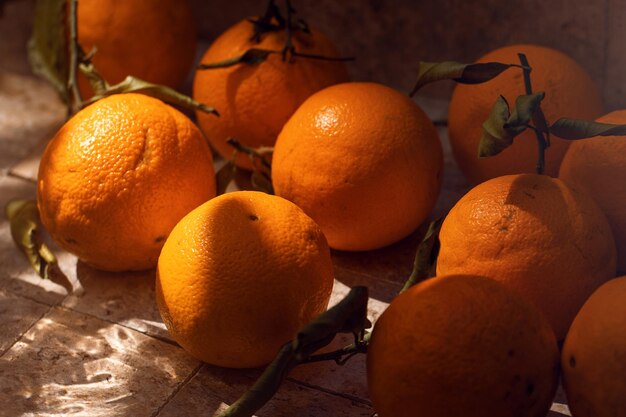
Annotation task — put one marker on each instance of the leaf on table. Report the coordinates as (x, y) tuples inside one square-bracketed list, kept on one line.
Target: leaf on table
[(23, 217)]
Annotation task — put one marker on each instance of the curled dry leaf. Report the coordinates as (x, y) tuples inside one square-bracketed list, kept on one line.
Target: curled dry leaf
[(23, 217)]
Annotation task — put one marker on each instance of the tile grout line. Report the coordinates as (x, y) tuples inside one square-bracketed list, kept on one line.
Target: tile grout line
[(350, 397), (45, 313), (177, 389)]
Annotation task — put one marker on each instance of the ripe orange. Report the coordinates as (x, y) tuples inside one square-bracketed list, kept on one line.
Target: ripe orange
[(594, 354), (599, 166), (461, 346), (118, 176), (570, 92), (363, 160), (154, 40), (255, 101), (240, 275), (537, 236)]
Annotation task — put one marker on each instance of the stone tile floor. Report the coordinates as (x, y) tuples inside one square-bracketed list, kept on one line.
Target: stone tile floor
[(92, 343)]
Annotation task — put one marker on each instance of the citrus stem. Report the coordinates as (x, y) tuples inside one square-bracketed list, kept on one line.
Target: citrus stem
[(75, 96), (541, 140)]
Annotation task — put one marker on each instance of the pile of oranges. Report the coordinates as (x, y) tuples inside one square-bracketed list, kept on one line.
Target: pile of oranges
[(128, 183)]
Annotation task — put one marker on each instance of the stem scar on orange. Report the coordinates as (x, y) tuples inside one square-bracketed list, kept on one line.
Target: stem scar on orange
[(240, 275), (118, 176), (459, 345), (547, 241), (255, 101), (363, 160), (570, 92)]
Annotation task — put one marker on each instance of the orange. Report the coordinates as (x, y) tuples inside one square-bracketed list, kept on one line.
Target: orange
[(461, 346), (240, 275), (599, 166), (594, 354), (570, 92), (255, 101), (154, 40), (363, 160), (537, 236), (118, 176)]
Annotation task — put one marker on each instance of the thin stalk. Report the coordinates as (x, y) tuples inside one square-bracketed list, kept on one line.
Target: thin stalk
[(75, 98), (541, 140)]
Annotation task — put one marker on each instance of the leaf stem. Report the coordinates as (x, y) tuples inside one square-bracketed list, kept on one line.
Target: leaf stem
[(541, 140), (76, 99)]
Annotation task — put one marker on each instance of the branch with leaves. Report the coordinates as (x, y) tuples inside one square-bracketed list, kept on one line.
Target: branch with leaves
[(504, 124)]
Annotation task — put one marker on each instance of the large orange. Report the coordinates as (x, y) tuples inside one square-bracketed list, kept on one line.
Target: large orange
[(240, 275), (118, 176), (461, 346), (363, 160), (594, 354), (536, 235), (570, 92), (154, 40), (255, 101), (599, 166)]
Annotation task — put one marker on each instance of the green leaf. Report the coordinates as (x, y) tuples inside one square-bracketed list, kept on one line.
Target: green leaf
[(23, 217), (429, 72), (347, 316), (252, 56), (224, 176), (425, 256), (581, 129), (135, 85), (525, 108), (495, 138), (261, 182), (502, 127), (48, 46)]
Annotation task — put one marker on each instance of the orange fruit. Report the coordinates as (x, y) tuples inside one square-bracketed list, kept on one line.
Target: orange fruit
[(363, 160), (570, 92), (594, 354), (537, 236), (461, 346), (118, 176), (599, 166), (255, 101), (154, 40), (240, 275)]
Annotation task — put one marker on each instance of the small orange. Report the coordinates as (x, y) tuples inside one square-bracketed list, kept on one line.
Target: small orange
[(118, 176), (599, 166), (255, 101), (363, 160), (570, 92), (594, 354), (240, 275), (154, 40), (461, 346), (537, 236)]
